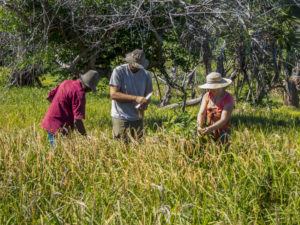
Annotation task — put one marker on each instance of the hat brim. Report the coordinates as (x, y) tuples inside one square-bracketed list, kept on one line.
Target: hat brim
[(94, 89), (143, 65), (224, 83)]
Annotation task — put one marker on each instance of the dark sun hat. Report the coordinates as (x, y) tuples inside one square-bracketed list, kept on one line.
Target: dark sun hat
[(214, 80), (91, 79), (137, 59)]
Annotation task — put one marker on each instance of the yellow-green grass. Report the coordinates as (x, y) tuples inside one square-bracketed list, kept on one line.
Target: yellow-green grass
[(170, 177)]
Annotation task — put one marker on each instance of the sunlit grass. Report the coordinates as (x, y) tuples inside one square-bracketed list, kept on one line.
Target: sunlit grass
[(170, 177)]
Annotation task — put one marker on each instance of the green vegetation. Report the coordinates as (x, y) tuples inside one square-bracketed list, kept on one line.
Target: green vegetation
[(254, 43), (170, 177)]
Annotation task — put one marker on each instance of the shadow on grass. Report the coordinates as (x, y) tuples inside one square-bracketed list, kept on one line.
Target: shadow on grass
[(263, 122)]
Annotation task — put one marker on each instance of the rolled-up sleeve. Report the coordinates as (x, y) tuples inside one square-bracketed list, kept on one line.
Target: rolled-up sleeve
[(52, 93), (231, 100), (115, 79)]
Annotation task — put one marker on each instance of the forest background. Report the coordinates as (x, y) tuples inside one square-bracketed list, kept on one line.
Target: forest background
[(171, 176)]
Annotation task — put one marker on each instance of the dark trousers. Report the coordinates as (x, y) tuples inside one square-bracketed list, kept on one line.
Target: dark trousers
[(123, 128)]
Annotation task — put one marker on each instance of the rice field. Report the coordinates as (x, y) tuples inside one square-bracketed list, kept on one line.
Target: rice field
[(169, 177)]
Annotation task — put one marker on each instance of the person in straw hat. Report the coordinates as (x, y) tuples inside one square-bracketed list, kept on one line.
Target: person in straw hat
[(130, 83), (216, 108), (67, 105)]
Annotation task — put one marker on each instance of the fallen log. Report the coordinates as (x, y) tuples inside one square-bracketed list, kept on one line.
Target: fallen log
[(190, 102)]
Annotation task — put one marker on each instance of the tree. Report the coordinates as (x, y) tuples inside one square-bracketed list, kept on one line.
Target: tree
[(245, 39)]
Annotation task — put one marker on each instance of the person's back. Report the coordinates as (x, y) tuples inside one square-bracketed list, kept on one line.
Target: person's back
[(67, 103)]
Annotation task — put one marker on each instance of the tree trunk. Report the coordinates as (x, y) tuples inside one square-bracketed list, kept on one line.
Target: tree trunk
[(275, 65), (260, 86), (220, 61), (184, 101), (167, 96), (207, 55), (158, 86), (291, 97), (188, 103), (292, 86), (25, 77)]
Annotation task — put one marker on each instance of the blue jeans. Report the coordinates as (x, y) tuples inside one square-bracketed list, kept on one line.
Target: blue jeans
[(224, 136), (51, 139)]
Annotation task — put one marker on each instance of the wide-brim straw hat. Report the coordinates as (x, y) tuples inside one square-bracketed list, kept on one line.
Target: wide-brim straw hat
[(137, 59), (215, 80), (91, 79)]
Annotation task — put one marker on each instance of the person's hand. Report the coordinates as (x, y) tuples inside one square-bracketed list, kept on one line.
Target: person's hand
[(143, 103), (199, 130), (141, 100), (202, 131), (206, 130), (144, 106)]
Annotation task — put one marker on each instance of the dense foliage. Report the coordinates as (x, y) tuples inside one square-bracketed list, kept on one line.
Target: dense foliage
[(254, 42)]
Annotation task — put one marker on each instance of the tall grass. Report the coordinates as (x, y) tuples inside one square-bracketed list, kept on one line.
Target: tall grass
[(170, 177)]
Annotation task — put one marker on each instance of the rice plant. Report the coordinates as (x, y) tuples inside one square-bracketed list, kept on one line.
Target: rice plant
[(170, 177)]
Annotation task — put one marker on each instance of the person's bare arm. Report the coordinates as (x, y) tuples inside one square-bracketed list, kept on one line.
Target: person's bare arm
[(226, 115), (118, 96), (80, 127), (201, 115), (202, 112)]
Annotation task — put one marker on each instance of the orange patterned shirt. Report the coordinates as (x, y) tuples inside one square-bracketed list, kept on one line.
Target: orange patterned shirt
[(214, 112)]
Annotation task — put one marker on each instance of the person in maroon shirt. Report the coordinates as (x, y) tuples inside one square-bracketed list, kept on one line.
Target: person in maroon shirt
[(67, 105)]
